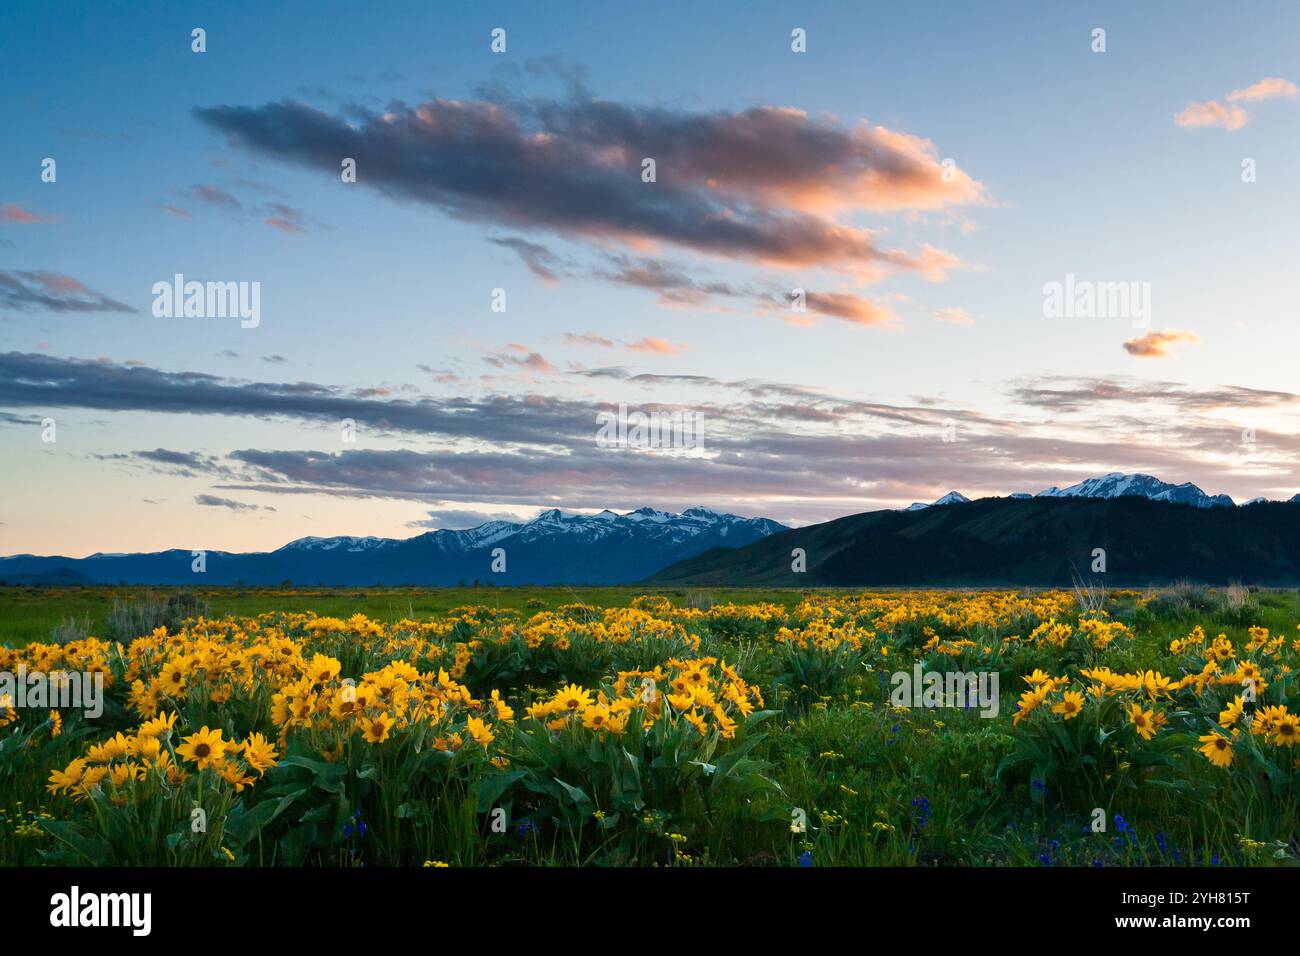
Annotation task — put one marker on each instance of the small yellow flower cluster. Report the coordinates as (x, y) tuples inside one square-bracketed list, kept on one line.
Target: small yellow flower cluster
[(396, 697), (148, 757), (704, 692)]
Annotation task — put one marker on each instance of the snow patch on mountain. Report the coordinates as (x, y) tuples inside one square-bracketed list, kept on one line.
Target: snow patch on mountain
[(1117, 485), (345, 542), (643, 523), (951, 498), (1114, 485)]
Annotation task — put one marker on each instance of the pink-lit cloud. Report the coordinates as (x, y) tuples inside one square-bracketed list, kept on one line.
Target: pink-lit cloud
[(1155, 344)]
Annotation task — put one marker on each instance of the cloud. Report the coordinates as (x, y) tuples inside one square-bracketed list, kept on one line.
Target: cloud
[(676, 286), (1212, 113), (1155, 344), (284, 225), (761, 438), (453, 519), (1268, 88), (954, 316), (10, 419), (850, 308), (14, 213), (167, 456), (212, 501), (287, 219), (758, 186), (1233, 117), (657, 346), (180, 212), (1065, 393), (673, 284), (166, 461), (587, 338), (543, 263), (43, 291), (520, 356), (214, 196), (278, 215)]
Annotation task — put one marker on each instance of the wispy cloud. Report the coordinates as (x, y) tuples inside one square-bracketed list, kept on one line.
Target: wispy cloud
[(657, 346), (455, 519), (520, 356), (43, 291), (954, 316), (1232, 116), (1271, 87), (11, 212), (762, 439), (1212, 113), (287, 219), (587, 339), (212, 501), (214, 196), (1156, 344)]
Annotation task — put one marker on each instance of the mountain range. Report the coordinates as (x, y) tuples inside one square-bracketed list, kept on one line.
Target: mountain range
[(1152, 532), (1144, 532), (553, 548), (1115, 484)]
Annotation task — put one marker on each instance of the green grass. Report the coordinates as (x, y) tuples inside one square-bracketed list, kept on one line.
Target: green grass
[(29, 614)]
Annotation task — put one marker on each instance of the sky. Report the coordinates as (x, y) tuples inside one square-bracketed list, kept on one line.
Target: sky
[(888, 250)]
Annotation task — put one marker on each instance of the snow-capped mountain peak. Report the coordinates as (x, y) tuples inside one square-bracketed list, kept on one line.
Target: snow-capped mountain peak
[(1117, 484), (641, 524), (951, 498), (345, 542)]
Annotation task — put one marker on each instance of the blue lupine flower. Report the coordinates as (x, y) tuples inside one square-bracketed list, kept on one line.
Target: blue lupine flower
[(805, 858), (921, 811)]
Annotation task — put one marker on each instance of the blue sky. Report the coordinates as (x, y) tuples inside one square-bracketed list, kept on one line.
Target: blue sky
[(1072, 162)]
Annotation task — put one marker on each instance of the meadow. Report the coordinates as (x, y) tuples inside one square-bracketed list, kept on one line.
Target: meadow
[(500, 727)]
